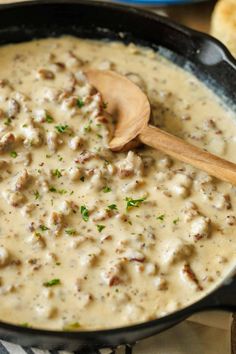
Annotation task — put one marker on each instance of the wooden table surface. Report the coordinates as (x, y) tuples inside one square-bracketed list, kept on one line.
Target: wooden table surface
[(195, 16)]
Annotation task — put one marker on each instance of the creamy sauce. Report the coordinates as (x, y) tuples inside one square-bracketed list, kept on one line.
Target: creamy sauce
[(93, 239)]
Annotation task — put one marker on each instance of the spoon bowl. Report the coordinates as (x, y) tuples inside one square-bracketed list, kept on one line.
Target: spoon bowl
[(131, 109), (126, 103)]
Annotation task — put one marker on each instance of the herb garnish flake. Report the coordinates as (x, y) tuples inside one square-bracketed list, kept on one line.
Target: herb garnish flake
[(61, 128), (100, 227), (80, 103), (161, 217), (13, 154), (84, 212), (106, 189), (52, 282), (133, 203)]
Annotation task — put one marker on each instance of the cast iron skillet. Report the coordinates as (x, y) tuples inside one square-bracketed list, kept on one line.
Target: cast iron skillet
[(207, 58)]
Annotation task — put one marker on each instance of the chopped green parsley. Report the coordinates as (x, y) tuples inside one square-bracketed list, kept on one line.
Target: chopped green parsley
[(161, 217), (8, 121), (80, 103), (106, 189), (61, 128), (104, 105), (52, 282), (71, 232), (37, 235), (133, 203), (176, 221), (87, 128), (100, 227), (25, 324), (36, 195), (13, 154), (84, 212), (112, 207), (71, 326), (49, 118), (56, 173), (106, 162), (62, 191), (43, 228)]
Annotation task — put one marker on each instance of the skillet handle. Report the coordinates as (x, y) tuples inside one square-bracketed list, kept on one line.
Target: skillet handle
[(223, 298)]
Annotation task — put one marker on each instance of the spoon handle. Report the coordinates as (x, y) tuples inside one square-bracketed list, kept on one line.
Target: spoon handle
[(183, 151)]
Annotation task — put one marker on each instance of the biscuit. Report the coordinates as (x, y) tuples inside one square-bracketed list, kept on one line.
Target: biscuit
[(223, 23)]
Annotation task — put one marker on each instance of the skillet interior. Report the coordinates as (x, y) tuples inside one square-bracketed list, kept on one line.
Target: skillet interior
[(206, 58)]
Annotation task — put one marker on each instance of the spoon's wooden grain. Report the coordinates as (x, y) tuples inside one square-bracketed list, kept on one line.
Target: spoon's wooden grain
[(130, 106)]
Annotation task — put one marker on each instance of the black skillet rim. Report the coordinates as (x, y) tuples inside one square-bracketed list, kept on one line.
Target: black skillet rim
[(143, 13), (188, 310)]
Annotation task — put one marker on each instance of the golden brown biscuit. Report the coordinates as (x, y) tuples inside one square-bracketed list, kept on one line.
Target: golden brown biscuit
[(223, 24)]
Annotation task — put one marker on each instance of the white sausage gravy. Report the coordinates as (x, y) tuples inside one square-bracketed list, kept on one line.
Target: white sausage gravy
[(92, 239)]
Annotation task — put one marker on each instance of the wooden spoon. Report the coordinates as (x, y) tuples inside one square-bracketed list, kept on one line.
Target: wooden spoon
[(130, 106)]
